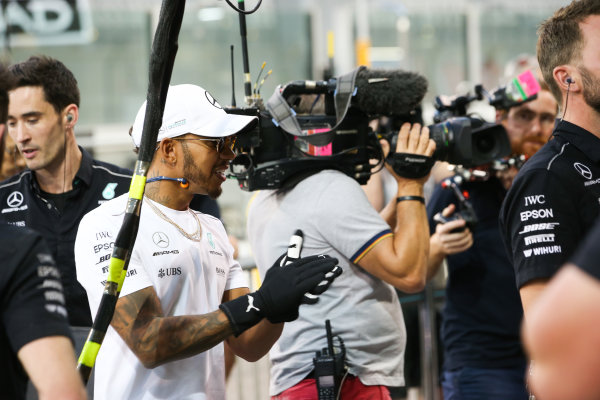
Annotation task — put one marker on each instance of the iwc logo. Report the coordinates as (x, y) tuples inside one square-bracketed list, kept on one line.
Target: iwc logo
[(160, 239)]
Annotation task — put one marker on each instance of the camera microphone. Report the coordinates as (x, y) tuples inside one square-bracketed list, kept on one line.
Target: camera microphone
[(388, 92), (377, 91)]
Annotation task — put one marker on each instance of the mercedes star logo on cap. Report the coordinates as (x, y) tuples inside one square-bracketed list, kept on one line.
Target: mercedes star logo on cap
[(212, 101)]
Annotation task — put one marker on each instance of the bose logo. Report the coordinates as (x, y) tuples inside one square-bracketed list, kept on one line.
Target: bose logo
[(537, 214), (535, 199), (544, 226)]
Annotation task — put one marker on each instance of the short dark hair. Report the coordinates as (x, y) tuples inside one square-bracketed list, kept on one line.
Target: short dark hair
[(560, 40), (57, 81), (7, 82)]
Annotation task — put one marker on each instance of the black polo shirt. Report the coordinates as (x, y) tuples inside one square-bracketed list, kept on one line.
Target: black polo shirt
[(22, 204), (587, 255), (553, 202), (482, 313), (31, 302)]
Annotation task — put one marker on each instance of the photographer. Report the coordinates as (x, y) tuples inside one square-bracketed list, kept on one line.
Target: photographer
[(483, 356), (378, 252)]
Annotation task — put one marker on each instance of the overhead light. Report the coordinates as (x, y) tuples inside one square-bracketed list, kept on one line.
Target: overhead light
[(403, 24), (210, 14)]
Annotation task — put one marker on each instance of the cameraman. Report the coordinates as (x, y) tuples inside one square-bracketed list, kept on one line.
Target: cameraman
[(483, 356), (377, 253)]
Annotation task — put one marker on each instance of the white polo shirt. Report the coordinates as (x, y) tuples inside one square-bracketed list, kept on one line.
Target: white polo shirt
[(189, 277)]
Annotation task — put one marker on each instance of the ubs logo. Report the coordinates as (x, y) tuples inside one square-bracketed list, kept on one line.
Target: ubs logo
[(160, 239), (212, 101), (583, 170), (15, 199)]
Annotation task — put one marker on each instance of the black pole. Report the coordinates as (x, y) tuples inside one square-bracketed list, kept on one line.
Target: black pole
[(245, 60), (162, 58)]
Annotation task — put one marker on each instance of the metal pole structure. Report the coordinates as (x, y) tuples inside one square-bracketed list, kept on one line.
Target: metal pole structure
[(429, 346)]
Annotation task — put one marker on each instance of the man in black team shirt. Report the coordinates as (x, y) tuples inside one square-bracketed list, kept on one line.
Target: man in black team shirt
[(561, 333), (553, 201), (483, 355), (62, 182), (34, 331)]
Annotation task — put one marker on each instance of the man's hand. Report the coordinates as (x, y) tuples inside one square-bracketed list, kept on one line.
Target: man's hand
[(283, 288), (412, 140), (447, 242), (282, 292)]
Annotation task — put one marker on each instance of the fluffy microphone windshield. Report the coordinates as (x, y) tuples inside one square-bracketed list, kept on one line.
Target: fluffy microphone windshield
[(388, 92)]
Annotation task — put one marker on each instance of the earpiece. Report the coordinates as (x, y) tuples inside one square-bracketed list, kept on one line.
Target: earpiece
[(569, 80), (182, 181), (69, 117)]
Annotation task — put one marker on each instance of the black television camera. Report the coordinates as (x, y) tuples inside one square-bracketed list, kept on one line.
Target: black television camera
[(314, 125), (485, 142), (310, 126)]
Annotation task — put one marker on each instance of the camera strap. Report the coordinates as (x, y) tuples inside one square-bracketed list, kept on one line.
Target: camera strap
[(411, 166), (285, 117)]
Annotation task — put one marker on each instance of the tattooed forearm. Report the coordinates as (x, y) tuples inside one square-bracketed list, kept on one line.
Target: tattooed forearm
[(156, 339)]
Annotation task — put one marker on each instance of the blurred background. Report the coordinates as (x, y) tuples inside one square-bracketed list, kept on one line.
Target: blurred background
[(455, 44)]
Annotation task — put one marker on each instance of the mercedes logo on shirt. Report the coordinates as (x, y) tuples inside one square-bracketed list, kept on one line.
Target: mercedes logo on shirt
[(160, 239), (211, 100), (584, 170), (15, 199)]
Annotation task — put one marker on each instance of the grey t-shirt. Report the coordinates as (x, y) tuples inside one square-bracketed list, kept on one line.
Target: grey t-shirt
[(336, 218)]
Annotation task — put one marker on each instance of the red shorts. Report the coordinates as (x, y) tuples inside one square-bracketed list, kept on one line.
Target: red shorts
[(352, 389)]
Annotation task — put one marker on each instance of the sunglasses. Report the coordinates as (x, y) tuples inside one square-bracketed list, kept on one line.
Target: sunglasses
[(222, 143)]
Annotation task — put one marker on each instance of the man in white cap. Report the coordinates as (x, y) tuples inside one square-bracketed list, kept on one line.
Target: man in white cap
[(184, 294)]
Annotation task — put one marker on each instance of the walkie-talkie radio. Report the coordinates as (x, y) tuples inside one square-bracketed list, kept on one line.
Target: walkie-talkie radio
[(329, 367)]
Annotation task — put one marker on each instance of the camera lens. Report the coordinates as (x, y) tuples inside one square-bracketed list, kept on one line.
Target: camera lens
[(484, 144)]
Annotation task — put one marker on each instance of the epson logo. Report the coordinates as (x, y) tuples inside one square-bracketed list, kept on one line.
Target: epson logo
[(537, 214), (544, 226), (104, 246)]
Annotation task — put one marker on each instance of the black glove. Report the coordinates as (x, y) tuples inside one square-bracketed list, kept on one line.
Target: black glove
[(282, 292)]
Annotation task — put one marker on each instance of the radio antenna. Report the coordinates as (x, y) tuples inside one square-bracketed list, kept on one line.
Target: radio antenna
[(245, 61), (262, 68), (232, 79), (262, 82)]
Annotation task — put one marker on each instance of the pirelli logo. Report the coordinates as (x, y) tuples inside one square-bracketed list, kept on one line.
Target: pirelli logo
[(543, 238)]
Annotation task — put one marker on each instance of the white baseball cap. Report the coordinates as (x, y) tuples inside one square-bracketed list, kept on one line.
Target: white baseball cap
[(191, 109)]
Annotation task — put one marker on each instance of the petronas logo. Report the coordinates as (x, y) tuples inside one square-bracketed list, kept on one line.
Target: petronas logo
[(210, 240), (109, 191)]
